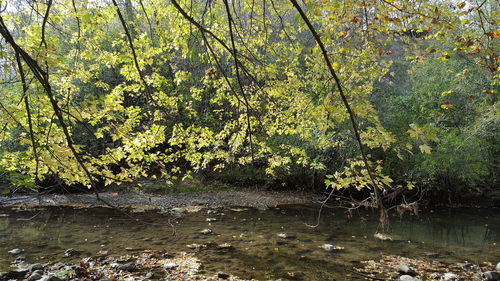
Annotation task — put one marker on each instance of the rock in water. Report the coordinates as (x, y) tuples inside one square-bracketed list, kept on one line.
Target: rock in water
[(331, 248), (71, 252), (382, 237), (206, 231), (497, 268), (19, 259), (328, 247), (15, 251), (282, 235)]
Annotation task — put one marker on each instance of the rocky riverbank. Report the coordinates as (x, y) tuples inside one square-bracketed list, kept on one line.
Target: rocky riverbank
[(149, 265), (407, 269), (155, 265), (131, 199)]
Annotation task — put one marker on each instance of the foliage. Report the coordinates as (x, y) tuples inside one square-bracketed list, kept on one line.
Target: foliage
[(161, 88)]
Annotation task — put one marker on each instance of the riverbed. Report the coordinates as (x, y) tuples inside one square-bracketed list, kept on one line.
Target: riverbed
[(265, 243)]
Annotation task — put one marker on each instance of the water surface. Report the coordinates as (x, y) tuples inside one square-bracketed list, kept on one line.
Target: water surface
[(456, 235)]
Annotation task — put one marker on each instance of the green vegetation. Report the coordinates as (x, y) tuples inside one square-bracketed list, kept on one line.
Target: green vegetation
[(271, 93)]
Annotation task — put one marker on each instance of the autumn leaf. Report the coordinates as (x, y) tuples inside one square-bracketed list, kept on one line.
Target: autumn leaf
[(424, 148)]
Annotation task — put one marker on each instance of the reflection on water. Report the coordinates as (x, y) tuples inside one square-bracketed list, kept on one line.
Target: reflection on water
[(452, 235)]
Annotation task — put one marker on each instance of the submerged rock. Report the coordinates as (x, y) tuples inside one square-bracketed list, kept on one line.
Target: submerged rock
[(15, 251), (331, 248), (224, 246), (206, 231), (283, 235), (382, 237), (19, 259), (71, 252)]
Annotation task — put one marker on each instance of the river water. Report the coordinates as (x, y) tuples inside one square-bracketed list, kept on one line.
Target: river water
[(455, 235)]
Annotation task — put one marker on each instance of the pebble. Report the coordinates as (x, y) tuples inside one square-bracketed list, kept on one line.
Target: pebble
[(449, 277), (37, 266), (34, 276), (225, 246), (405, 269), (206, 231), (408, 278), (19, 259), (15, 251), (70, 252), (222, 275), (282, 235), (130, 267), (170, 266), (330, 248), (491, 276)]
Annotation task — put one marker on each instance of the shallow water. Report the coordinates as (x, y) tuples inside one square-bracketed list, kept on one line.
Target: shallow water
[(456, 235)]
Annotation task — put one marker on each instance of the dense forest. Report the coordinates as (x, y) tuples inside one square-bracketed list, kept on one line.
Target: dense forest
[(365, 94)]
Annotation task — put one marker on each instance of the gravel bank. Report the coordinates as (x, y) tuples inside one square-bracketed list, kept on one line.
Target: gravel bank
[(127, 199)]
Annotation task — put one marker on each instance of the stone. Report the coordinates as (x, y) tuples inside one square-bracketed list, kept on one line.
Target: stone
[(331, 248), (15, 251), (222, 275), (491, 276), (382, 237), (225, 246), (206, 231), (71, 252), (170, 266), (15, 274), (19, 259), (130, 267), (477, 277), (406, 270), (497, 268), (408, 278), (294, 275), (211, 219), (37, 266), (449, 277), (282, 235), (34, 276), (179, 210)]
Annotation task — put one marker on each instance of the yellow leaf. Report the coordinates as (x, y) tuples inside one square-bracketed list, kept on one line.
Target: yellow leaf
[(424, 148)]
